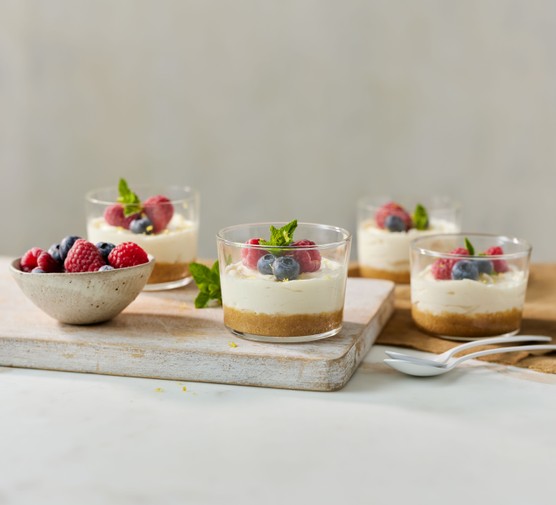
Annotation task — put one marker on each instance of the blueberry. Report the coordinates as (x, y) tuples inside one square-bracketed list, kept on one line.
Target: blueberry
[(465, 269), (104, 248), (142, 225), (484, 266), (264, 265), (66, 244), (104, 268), (285, 268), (394, 223), (37, 270), (54, 251)]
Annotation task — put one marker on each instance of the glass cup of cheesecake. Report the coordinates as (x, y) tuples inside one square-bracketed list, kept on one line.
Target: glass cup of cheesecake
[(163, 220), (468, 286), (277, 288), (386, 226)]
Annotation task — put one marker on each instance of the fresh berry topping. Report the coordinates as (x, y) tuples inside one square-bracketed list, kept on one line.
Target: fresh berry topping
[(308, 259), (250, 256), (105, 248), (264, 265), (37, 270), (142, 225), (465, 269), (442, 268), (66, 244), (285, 268), (127, 254), (54, 251), (29, 259), (83, 257), (47, 263), (484, 266), (104, 268), (159, 210), (392, 209), (114, 215), (500, 266), (394, 223)]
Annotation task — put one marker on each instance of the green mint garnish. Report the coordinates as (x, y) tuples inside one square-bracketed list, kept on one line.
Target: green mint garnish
[(280, 237), (208, 282), (420, 218), (469, 247), (132, 204)]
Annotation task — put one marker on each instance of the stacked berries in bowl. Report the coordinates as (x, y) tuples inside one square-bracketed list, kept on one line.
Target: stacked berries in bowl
[(78, 282), (468, 286), (280, 288)]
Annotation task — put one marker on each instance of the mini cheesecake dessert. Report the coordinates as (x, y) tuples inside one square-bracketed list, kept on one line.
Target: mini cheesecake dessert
[(476, 289), (281, 289), (386, 228), (163, 221)]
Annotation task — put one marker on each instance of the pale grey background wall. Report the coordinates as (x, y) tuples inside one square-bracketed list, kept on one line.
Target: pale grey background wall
[(279, 109)]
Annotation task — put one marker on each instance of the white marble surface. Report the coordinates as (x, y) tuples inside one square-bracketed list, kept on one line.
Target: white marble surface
[(481, 434)]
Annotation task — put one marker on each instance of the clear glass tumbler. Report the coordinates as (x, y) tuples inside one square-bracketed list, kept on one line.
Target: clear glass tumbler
[(169, 233), (467, 286), (386, 226), (289, 293)]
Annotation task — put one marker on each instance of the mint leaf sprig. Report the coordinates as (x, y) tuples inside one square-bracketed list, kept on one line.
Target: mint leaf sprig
[(208, 282), (131, 202), (469, 247), (279, 237), (420, 218)]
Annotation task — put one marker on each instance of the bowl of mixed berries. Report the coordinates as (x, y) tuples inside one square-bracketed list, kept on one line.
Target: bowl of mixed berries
[(78, 282)]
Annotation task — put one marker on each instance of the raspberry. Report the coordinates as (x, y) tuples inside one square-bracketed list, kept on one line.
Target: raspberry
[(250, 256), (127, 254), (442, 268), (114, 215), (29, 259), (392, 209), (308, 259), (83, 257), (500, 266), (159, 210), (47, 263)]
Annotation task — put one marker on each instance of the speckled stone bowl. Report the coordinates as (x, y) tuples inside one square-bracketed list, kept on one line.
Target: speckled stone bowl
[(83, 298)]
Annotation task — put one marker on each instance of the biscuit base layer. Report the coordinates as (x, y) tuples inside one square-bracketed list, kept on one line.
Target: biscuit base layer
[(168, 272), (401, 277), (281, 325), (463, 325)]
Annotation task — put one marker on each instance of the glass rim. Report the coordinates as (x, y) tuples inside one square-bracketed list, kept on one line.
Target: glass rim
[(365, 202), (328, 245), (192, 193), (415, 246)]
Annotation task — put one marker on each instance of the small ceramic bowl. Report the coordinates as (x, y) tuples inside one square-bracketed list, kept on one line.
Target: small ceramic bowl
[(83, 298)]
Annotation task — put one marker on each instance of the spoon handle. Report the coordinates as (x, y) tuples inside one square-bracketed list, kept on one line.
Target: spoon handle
[(537, 347), (492, 340)]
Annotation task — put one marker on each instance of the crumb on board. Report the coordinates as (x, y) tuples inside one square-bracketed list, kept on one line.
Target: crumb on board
[(232, 344), (159, 390), (184, 388)]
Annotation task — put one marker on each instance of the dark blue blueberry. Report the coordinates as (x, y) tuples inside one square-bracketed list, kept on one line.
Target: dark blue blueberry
[(465, 269), (394, 223), (285, 268), (37, 270), (104, 248), (142, 225), (66, 244), (54, 251), (103, 268), (264, 265), (484, 266)]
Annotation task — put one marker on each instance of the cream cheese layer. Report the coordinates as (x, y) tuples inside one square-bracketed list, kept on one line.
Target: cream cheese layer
[(176, 244), (487, 295), (311, 293), (385, 250)]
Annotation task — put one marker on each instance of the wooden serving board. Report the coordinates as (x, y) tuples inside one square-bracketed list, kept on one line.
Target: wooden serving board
[(161, 335)]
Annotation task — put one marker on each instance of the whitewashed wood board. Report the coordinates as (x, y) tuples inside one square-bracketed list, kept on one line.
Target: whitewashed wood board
[(161, 335)]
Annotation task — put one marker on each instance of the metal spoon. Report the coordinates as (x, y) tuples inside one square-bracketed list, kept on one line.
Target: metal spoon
[(445, 356), (426, 370)]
